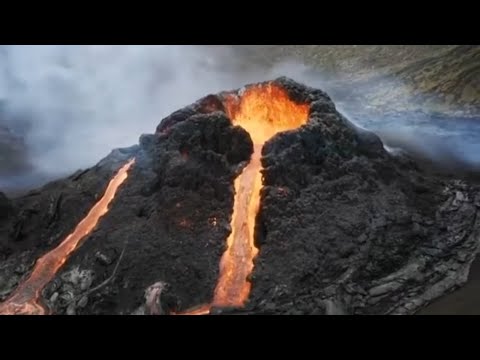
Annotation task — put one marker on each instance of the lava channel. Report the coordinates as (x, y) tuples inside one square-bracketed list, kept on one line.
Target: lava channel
[(26, 298), (263, 111)]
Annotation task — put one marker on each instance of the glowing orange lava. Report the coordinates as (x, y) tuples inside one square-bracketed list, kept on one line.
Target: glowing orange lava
[(26, 298), (237, 262), (199, 310), (263, 111)]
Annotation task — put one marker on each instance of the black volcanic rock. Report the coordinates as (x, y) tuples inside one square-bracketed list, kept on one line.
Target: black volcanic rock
[(344, 226), (172, 216)]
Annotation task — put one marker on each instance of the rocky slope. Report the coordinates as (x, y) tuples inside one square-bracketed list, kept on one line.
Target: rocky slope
[(443, 83), (353, 62), (388, 78), (343, 227)]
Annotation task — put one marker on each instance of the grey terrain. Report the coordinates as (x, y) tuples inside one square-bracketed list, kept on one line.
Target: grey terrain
[(378, 221)]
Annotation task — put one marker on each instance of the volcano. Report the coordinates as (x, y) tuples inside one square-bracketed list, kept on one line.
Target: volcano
[(262, 200)]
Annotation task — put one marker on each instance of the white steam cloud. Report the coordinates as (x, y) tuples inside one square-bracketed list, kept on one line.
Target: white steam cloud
[(74, 104), (82, 101)]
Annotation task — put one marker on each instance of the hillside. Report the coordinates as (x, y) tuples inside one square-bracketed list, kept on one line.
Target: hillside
[(229, 215), (348, 61), (389, 78), (356, 195)]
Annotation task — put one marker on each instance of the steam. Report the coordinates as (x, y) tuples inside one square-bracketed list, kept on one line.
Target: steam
[(74, 104), (455, 152)]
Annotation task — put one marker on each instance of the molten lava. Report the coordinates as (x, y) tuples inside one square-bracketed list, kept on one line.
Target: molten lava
[(26, 298), (263, 111), (237, 262)]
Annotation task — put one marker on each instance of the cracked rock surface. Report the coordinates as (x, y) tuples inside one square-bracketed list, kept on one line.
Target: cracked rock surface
[(344, 227)]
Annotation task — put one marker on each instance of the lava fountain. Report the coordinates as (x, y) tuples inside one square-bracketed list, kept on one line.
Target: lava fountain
[(26, 298), (262, 110)]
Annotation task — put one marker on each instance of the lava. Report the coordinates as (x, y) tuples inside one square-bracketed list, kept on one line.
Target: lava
[(26, 298), (198, 310), (237, 262), (263, 111)]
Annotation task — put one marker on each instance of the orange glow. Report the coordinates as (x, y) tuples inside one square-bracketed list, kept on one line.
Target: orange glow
[(198, 310), (26, 298), (237, 262), (263, 111)]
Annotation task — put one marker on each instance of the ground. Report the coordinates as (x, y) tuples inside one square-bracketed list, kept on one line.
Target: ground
[(369, 80), (344, 226), (440, 78)]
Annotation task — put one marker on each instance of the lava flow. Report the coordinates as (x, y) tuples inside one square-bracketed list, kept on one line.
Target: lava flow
[(263, 111), (26, 298)]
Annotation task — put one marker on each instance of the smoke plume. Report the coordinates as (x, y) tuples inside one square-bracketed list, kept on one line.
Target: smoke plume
[(74, 104)]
